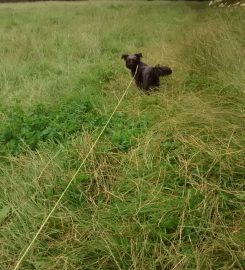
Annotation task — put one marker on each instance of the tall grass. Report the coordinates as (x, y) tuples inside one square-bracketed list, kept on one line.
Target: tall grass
[(164, 188)]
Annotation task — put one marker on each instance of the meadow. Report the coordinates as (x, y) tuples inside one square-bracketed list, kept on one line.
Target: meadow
[(164, 186)]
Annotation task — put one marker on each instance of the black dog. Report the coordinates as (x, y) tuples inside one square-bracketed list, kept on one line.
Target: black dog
[(146, 77)]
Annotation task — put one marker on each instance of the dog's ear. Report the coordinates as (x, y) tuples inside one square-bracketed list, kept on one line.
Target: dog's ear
[(139, 55), (124, 56)]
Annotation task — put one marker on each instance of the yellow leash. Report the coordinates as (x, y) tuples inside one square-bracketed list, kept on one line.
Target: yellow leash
[(73, 177)]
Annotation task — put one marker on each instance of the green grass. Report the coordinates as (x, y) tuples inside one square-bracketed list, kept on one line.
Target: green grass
[(164, 187)]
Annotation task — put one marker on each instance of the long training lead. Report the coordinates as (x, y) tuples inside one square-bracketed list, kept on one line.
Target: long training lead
[(73, 177)]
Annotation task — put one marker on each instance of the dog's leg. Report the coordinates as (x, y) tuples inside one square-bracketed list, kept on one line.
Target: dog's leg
[(146, 81), (138, 84), (146, 85)]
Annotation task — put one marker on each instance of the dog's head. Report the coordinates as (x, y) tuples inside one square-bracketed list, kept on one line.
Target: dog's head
[(132, 60)]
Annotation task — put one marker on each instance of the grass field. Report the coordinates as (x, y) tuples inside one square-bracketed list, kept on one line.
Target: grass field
[(164, 187)]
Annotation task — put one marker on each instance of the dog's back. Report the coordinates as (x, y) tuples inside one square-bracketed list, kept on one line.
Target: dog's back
[(150, 75)]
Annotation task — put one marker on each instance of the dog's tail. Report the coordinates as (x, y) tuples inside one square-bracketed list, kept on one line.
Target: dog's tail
[(162, 70)]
